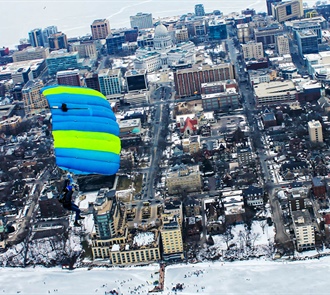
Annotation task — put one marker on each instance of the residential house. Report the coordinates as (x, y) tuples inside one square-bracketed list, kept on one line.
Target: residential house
[(254, 196), (233, 204)]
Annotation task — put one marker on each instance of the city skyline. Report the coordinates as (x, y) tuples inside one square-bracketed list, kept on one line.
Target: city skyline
[(75, 20)]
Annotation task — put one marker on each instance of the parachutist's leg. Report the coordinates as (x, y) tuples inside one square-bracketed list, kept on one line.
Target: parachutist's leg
[(76, 209)]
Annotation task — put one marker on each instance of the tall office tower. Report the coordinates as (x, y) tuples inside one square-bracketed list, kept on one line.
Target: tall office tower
[(46, 32), (282, 44), (58, 41), (61, 60), (34, 101), (92, 81), (100, 28), (36, 38), (110, 81), (199, 10), (269, 5), (217, 30), (315, 131), (70, 77), (288, 10), (141, 20)]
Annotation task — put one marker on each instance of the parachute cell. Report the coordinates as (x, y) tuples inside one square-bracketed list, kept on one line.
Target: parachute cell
[(85, 131)]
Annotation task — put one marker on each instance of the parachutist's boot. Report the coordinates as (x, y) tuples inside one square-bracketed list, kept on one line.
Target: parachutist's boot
[(81, 217), (76, 223)]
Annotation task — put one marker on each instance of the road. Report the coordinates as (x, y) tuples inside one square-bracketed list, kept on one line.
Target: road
[(281, 237), (160, 99)]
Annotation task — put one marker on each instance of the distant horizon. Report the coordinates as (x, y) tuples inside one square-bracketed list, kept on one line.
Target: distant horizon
[(75, 21)]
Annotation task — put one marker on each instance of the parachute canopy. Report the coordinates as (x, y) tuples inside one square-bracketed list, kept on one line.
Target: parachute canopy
[(85, 131)]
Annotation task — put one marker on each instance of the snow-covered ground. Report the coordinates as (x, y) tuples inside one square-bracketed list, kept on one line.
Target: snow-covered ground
[(244, 277)]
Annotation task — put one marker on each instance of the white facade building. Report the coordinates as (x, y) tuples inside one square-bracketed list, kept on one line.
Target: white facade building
[(303, 229), (164, 54), (253, 50), (315, 131), (282, 44), (141, 20)]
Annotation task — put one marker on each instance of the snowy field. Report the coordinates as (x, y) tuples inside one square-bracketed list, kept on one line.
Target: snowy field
[(244, 277)]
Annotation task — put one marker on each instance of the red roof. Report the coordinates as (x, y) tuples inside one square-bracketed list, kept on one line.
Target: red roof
[(326, 219), (191, 124)]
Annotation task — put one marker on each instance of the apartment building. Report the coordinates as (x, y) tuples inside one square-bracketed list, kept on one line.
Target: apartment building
[(303, 229), (282, 44), (100, 28), (253, 50), (183, 178), (34, 101), (315, 131), (171, 237)]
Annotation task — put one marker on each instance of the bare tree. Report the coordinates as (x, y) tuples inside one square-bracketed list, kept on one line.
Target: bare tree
[(263, 224), (254, 238), (227, 236)]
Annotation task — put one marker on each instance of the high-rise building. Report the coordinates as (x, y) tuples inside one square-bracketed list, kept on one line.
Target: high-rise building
[(181, 35), (58, 41), (315, 131), (46, 32), (70, 77), (36, 38), (217, 30), (307, 42), (62, 60), (136, 80), (288, 10), (303, 229), (267, 34), (108, 231), (115, 42), (100, 29), (269, 5), (141, 20), (253, 50), (199, 10), (282, 44), (172, 239), (92, 81), (110, 81), (188, 81), (34, 101), (86, 49)]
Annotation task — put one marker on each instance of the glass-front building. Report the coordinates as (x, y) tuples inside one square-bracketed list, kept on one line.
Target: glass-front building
[(217, 31)]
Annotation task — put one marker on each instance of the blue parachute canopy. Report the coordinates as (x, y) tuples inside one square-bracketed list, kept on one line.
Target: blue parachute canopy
[(85, 131)]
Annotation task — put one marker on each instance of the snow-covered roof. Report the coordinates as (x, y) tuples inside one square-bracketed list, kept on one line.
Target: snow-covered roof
[(143, 239)]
